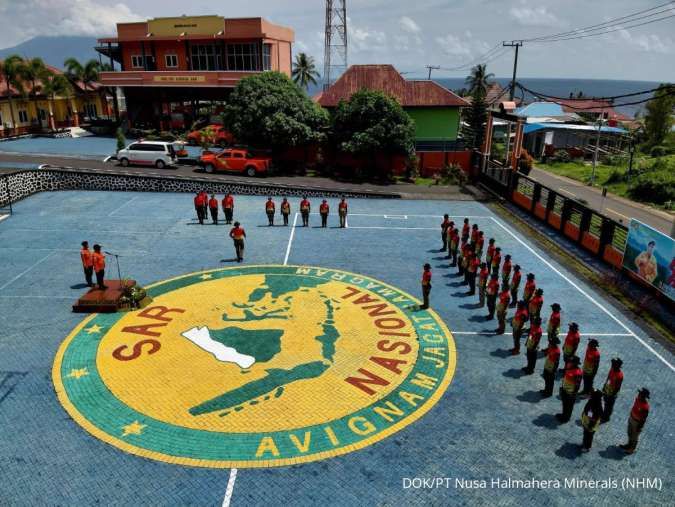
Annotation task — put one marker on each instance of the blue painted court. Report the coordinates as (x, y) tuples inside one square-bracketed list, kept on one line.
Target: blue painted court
[(490, 422)]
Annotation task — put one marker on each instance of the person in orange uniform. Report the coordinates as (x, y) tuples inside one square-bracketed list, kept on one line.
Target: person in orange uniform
[(550, 367), (466, 229), (506, 269), (342, 213), (517, 323), (492, 291), (474, 234), (454, 246), (449, 230), (515, 284), (324, 209), (536, 303), (496, 260), (305, 208), (571, 342), (98, 262), (205, 203), (480, 241), (460, 258), (474, 264), (591, 365), (285, 209), (532, 345), (553, 327), (213, 208), (467, 253), (87, 263), (590, 419), (483, 275), (490, 252), (530, 287), (636, 420), (611, 388), (199, 207), (444, 232), (570, 387), (426, 285), (502, 306), (238, 234), (269, 210), (228, 208)]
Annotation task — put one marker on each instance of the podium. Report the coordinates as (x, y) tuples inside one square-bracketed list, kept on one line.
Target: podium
[(108, 300)]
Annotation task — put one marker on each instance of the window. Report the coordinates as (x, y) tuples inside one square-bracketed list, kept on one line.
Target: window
[(267, 56), (171, 60), (23, 116), (243, 56), (205, 57), (137, 61), (42, 114), (90, 110), (238, 155), (226, 154)]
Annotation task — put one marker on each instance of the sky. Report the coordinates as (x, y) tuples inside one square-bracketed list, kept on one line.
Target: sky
[(408, 34)]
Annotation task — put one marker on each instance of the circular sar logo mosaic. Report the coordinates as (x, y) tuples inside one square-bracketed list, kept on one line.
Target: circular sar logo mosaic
[(255, 366)]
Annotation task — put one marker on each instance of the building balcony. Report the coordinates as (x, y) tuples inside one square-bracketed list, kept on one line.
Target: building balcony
[(179, 78)]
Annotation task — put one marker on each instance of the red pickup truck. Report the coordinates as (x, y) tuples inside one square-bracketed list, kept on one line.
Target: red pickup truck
[(235, 160)]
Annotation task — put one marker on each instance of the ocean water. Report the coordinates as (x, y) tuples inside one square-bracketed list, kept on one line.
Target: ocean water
[(562, 87)]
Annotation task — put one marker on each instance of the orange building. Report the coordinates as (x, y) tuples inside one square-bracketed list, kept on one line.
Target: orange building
[(168, 66)]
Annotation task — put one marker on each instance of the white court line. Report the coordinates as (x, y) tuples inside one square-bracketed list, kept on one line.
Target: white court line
[(96, 231), (491, 333), (396, 228), (3, 217), (396, 217), (230, 488), (290, 239), (26, 271), (123, 205), (590, 298)]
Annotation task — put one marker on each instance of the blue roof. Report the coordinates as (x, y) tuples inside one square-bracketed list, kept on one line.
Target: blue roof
[(533, 127), (541, 109)]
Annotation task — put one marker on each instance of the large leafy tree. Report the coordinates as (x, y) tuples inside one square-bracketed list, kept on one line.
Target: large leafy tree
[(10, 70), (269, 110), (304, 70), (478, 83), (32, 71), (54, 85), (371, 122), (659, 117)]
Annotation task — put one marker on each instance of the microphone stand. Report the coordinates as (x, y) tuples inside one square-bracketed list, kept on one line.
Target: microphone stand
[(119, 273)]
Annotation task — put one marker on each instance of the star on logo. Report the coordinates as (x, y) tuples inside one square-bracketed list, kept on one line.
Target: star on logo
[(206, 276), (93, 329), (135, 428), (76, 373)]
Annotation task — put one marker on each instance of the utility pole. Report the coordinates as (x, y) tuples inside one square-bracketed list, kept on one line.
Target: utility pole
[(595, 153), (513, 44), (335, 43), (431, 67)]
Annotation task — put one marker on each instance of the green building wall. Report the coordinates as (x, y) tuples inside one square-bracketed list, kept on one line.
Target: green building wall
[(435, 123)]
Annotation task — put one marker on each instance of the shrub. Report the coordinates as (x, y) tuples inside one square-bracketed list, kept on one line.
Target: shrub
[(121, 141), (615, 160), (561, 156), (657, 187), (453, 174), (526, 162), (616, 176), (658, 151)]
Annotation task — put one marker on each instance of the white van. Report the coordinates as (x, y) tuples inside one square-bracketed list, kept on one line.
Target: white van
[(158, 153)]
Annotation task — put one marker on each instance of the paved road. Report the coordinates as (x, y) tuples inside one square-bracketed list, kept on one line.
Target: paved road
[(407, 191), (618, 208)]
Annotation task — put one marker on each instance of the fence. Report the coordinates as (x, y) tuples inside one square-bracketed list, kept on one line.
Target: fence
[(594, 232)]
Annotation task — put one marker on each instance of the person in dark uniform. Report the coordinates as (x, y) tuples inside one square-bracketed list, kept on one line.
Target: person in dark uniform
[(342, 213), (492, 290), (426, 286), (570, 387), (444, 232), (590, 419), (532, 345), (269, 210), (87, 263), (489, 253), (517, 324), (550, 366), (238, 234), (324, 209), (502, 306), (305, 208), (228, 208), (98, 260), (482, 283), (285, 210), (213, 208), (611, 388)]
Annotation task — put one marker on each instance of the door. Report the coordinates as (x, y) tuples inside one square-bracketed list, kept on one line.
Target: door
[(223, 161), (238, 161)]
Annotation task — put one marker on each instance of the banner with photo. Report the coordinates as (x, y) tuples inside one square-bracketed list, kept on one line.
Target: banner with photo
[(650, 254)]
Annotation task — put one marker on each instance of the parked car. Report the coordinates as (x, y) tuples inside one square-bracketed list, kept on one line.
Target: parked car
[(158, 153), (214, 134), (235, 160)]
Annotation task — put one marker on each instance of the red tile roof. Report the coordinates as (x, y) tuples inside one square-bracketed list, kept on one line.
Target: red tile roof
[(585, 105), (385, 78), (27, 85)]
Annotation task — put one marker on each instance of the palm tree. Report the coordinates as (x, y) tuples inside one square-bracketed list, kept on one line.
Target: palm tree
[(479, 80), (85, 74), (31, 71), (304, 70), (9, 69), (54, 85)]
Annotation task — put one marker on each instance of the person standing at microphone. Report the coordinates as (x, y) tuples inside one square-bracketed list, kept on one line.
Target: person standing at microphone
[(99, 266)]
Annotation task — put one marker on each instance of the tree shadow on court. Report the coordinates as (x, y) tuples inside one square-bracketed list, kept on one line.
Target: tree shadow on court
[(613, 452), (502, 353), (514, 373), (569, 451), (547, 421), (529, 397), (79, 286)]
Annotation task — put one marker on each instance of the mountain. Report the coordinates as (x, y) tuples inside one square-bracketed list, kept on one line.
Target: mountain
[(54, 50)]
